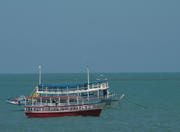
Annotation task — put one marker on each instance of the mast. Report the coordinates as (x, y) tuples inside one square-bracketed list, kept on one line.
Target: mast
[(88, 80), (88, 75), (40, 74)]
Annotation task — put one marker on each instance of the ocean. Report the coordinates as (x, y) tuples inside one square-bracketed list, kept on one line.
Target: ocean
[(151, 104)]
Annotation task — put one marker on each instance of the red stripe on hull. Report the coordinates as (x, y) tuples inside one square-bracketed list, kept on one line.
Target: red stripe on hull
[(95, 112)]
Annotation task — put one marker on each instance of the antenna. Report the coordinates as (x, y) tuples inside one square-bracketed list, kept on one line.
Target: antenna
[(40, 74), (88, 75)]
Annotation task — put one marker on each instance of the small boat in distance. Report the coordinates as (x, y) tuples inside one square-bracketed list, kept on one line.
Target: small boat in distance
[(17, 101)]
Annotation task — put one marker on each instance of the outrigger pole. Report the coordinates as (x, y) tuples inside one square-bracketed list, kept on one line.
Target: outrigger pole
[(40, 74)]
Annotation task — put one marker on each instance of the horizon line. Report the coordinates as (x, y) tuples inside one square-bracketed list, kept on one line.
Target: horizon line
[(86, 73)]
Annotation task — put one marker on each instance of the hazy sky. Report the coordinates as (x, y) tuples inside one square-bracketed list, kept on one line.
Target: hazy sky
[(108, 35)]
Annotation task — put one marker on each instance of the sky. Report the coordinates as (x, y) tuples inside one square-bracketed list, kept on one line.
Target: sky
[(108, 35)]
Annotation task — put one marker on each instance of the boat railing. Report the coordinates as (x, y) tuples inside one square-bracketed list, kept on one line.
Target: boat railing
[(93, 86), (60, 108), (60, 100), (69, 91)]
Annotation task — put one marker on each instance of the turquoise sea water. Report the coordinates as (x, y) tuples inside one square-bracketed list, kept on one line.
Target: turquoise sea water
[(151, 104)]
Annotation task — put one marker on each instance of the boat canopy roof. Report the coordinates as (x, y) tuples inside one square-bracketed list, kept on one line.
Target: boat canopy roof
[(65, 86)]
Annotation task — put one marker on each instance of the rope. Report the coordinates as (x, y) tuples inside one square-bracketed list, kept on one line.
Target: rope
[(139, 105)]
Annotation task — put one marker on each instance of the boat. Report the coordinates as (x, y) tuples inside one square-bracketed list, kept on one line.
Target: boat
[(90, 92), (58, 106), (17, 101), (13, 101)]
